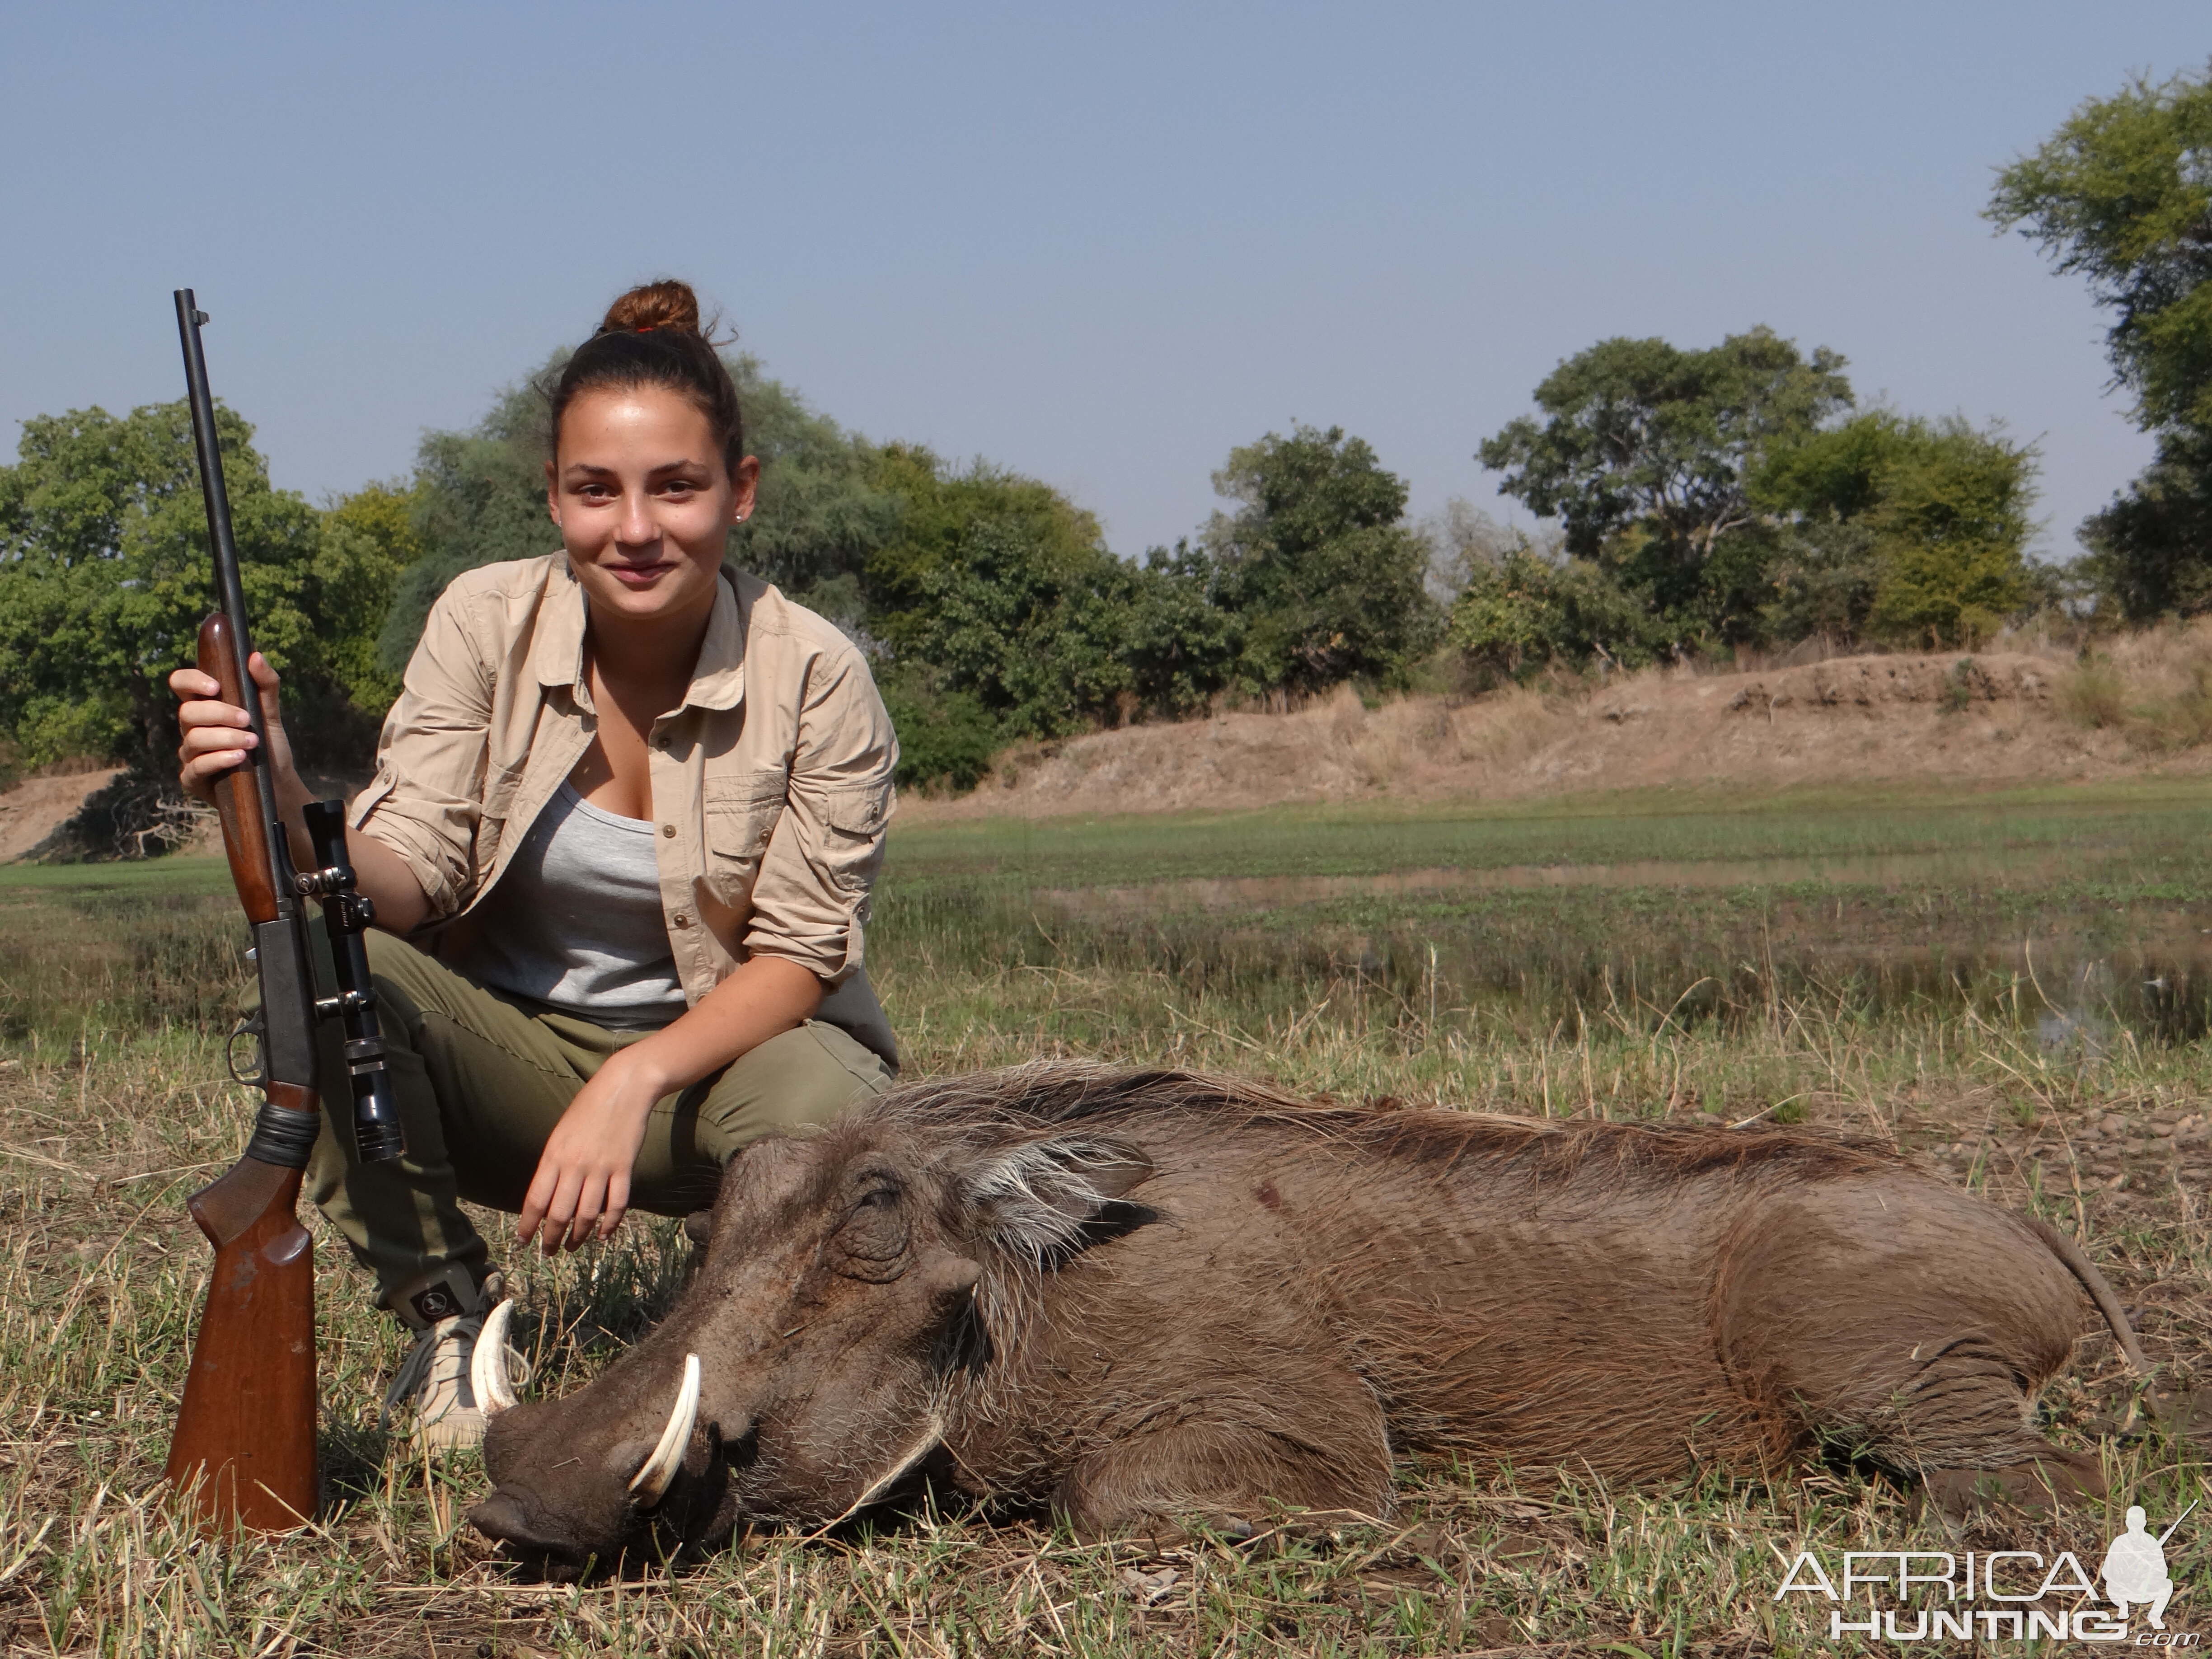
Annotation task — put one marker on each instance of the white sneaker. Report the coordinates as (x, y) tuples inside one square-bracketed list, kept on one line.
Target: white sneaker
[(434, 1379)]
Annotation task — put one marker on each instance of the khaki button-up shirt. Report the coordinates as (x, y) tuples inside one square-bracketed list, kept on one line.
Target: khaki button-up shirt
[(771, 783)]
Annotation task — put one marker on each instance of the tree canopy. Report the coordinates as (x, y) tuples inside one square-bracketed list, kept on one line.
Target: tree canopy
[(1944, 513), (989, 602), (1705, 497), (1725, 497), (1323, 577), (1644, 449), (478, 498), (2122, 194), (105, 575)]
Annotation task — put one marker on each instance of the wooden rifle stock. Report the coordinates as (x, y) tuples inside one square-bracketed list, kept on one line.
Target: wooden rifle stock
[(244, 1447), (244, 1440)]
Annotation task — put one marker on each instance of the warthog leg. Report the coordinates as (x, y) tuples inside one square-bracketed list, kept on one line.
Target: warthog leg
[(1237, 1465), (2056, 1479)]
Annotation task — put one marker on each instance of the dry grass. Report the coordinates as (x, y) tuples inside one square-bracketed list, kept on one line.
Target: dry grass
[(104, 1132), (2155, 688)]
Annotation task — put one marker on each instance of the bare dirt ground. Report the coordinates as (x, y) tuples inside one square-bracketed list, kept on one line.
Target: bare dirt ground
[(1992, 716), (36, 807)]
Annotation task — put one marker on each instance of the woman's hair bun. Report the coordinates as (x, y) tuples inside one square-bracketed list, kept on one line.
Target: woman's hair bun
[(667, 304), (651, 337)]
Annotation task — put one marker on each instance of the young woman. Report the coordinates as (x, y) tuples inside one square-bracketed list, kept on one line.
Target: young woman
[(625, 818)]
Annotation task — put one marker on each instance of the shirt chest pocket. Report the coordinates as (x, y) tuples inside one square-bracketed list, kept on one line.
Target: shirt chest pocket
[(741, 813)]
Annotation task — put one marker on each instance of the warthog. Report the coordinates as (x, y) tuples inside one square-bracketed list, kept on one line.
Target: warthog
[(1141, 1297)]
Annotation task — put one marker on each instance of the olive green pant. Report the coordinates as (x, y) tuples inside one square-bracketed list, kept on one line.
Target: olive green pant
[(482, 1078)]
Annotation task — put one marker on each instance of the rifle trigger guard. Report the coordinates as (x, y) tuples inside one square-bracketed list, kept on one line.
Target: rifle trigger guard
[(255, 1028)]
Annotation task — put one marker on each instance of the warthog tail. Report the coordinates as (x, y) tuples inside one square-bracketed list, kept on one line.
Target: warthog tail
[(2100, 1291)]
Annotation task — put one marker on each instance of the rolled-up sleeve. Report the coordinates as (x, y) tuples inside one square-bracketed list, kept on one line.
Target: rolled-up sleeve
[(426, 799), (810, 901)]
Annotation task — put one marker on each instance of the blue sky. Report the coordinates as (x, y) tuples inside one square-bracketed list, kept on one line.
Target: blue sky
[(1099, 245)]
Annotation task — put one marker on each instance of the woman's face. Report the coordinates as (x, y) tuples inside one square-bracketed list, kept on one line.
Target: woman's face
[(643, 502)]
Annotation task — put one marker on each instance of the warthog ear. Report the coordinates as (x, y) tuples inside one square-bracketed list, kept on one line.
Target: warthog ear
[(1037, 1198)]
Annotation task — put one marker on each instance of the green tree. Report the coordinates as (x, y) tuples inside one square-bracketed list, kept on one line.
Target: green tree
[(939, 510), (822, 516), (997, 587), (478, 499), (1643, 456), (1036, 638), (2150, 551), (1950, 531), (1180, 647), (1323, 578), (1912, 529), (369, 543), (2122, 194), (105, 575), (946, 736)]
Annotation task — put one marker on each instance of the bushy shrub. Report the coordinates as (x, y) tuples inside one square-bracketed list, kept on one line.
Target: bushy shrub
[(1525, 611), (2092, 694), (947, 738)]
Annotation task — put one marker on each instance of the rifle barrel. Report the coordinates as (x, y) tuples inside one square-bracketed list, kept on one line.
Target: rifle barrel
[(2176, 1527), (230, 590)]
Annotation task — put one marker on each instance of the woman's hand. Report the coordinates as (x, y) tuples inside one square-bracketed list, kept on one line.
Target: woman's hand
[(218, 736), (582, 1184)]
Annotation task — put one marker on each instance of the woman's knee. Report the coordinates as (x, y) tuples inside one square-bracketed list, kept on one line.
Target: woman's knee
[(807, 1075)]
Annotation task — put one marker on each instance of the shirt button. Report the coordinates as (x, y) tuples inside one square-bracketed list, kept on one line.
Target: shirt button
[(668, 830), (681, 920)]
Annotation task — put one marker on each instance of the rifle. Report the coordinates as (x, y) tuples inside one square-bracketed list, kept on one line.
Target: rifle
[(244, 1447)]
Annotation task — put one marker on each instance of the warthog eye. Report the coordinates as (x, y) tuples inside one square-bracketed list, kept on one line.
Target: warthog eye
[(873, 1237)]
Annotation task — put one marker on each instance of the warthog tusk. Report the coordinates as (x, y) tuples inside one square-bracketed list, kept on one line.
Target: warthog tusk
[(649, 1482), (488, 1364)]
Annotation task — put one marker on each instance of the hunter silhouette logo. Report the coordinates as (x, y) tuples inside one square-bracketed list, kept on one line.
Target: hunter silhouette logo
[(1933, 1594), (2135, 1567)]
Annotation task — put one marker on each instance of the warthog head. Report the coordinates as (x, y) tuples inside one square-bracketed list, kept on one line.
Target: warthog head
[(808, 1363)]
